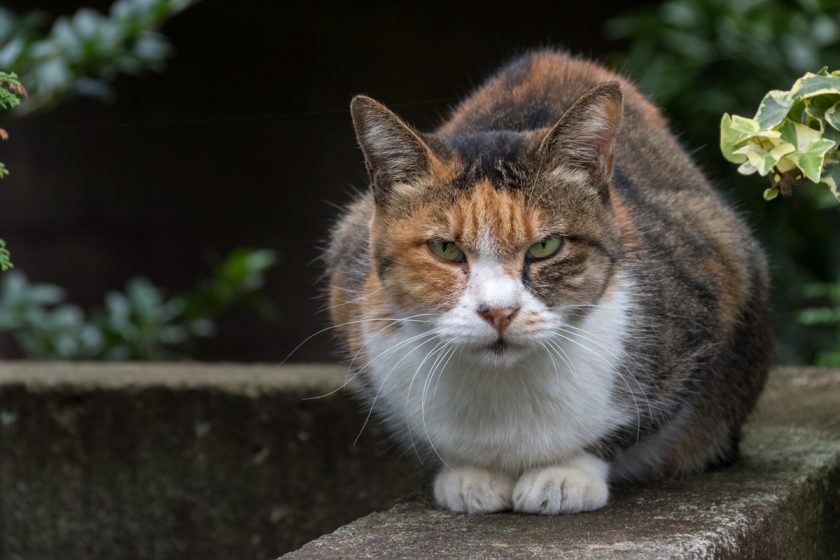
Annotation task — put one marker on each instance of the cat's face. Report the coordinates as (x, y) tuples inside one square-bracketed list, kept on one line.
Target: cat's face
[(496, 260)]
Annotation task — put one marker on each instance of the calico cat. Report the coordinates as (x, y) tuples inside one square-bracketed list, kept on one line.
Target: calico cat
[(545, 296)]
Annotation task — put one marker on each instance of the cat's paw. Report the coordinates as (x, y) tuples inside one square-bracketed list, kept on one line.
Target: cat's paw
[(473, 490), (564, 489)]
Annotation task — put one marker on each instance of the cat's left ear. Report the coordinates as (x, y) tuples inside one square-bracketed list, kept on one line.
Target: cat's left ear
[(397, 158), (584, 138)]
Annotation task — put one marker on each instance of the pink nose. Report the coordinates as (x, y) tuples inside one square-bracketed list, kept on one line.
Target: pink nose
[(499, 317)]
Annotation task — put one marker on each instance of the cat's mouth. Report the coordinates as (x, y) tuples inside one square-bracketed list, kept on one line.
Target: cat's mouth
[(499, 347), (500, 352)]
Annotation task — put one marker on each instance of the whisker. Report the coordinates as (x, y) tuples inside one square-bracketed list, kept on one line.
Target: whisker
[(619, 360), (437, 382), (433, 351), (623, 379), (359, 321), (358, 298), (447, 350), (370, 363), (379, 390)]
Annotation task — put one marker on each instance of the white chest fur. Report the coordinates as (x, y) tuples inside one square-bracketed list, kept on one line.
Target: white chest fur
[(545, 408)]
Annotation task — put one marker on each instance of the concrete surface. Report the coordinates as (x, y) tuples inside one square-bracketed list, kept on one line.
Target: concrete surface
[(183, 461), (781, 500)]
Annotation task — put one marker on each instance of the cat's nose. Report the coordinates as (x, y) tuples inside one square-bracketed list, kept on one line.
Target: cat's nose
[(499, 317)]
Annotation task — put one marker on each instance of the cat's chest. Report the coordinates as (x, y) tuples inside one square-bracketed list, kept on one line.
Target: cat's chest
[(548, 407)]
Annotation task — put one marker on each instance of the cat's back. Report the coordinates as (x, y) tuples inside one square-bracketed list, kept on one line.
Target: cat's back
[(534, 91)]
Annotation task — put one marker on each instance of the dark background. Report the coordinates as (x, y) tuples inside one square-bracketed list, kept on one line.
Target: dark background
[(245, 140)]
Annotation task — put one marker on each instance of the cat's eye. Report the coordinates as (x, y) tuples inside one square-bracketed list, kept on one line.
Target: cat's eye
[(544, 249), (446, 250)]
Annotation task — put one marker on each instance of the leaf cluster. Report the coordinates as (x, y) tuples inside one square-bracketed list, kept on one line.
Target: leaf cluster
[(81, 54), (139, 323), (794, 135)]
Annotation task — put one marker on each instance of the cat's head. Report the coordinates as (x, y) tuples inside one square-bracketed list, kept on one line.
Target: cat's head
[(500, 237)]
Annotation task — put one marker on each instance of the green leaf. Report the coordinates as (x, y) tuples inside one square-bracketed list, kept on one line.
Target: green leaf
[(831, 177), (815, 84), (817, 106), (798, 135), (811, 162), (832, 117), (773, 109), (5, 257), (771, 193), (734, 131), (746, 168), (764, 160)]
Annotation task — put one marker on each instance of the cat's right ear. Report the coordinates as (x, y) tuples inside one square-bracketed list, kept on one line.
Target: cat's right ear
[(397, 158)]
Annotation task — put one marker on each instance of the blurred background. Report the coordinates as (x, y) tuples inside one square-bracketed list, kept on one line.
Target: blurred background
[(177, 164)]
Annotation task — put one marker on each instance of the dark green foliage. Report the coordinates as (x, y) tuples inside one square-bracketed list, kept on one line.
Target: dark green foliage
[(11, 94), (699, 59), (5, 257), (81, 54), (140, 323)]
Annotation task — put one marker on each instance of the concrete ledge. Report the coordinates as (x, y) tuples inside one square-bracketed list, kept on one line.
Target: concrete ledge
[(182, 461), (782, 500)]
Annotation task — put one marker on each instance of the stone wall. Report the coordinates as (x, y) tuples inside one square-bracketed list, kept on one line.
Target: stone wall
[(183, 461), (230, 461)]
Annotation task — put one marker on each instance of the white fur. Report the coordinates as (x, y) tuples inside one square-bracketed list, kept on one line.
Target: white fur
[(472, 490), (578, 485), (538, 405)]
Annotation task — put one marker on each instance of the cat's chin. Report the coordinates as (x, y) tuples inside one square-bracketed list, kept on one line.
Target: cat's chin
[(500, 353)]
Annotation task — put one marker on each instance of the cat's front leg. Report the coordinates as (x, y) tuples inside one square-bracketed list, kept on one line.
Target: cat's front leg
[(473, 490), (570, 487)]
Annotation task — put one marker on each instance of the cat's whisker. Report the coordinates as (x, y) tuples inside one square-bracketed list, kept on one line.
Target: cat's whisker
[(370, 363), (447, 350), (433, 351), (553, 361), (437, 382), (602, 343), (623, 379), (357, 299), (382, 385), (356, 322), (619, 359), (561, 353)]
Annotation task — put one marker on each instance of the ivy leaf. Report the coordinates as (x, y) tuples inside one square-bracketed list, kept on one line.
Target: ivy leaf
[(832, 179), (736, 131), (764, 160), (773, 109), (815, 84), (771, 193), (811, 162), (832, 117)]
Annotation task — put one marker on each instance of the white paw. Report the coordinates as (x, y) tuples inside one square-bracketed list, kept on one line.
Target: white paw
[(473, 490), (566, 489)]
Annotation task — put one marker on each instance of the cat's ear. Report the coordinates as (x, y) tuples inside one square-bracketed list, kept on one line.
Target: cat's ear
[(584, 137), (396, 155)]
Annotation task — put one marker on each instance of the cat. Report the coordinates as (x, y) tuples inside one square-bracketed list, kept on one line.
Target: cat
[(544, 296)]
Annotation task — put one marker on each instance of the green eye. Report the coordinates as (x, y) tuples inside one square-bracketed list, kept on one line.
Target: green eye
[(544, 249), (446, 250)]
